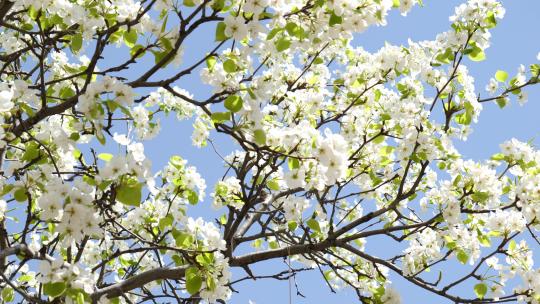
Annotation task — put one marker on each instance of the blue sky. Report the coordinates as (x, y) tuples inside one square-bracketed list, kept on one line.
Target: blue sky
[(514, 42)]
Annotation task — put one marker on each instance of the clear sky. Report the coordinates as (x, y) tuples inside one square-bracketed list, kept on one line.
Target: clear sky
[(515, 41)]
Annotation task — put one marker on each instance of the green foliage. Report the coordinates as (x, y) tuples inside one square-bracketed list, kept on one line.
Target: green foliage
[(130, 38), (193, 280), (335, 19), (480, 290), (129, 192), (260, 137), (233, 103), (8, 295), (220, 32), (230, 66), (54, 290), (501, 76), (76, 43), (314, 224), (220, 117), (282, 44)]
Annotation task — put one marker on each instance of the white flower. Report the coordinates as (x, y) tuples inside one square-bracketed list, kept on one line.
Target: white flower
[(391, 296), (51, 206), (114, 168), (5, 100), (3, 208), (522, 97), (121, 139), (235, 27), (137, 151), (296, 178), (492, 86)]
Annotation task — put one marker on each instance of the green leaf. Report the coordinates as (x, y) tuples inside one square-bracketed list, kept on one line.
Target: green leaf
[(66, 92), (80, 298), (294, 163), (295, 30), (273, 184), (137, 51), (484, 240), (335, 19), (158, 56), (480, 290), (234, 103), (20, 195), (462, 257), (477, 54), (220, 32), (31, 153), (230, 66), (273, 33), (395, 3), (512, 245), (314, 225), (105, 156), (205, 259), (211, 62), (535, 69), (210, 283), (480, 196), (501, 76), (218, 5), (501, 102), (257, 243), (54, 290), (490, 20), (76, 43), (33, 13), (292, 225), (445, 57), (193, 280), (130, 38), (7, 294), (260, 136), (166, 222), (182, 239), (498, 156), (282, 44), (7, 188), (129, 193), (219, 117), (192, 197)]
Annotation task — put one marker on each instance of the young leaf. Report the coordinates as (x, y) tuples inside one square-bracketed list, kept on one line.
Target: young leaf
[(105, 156), (260, 136), (480, 290), (230, 66), (219, 117), (462, 257), (220, 32), (76, 43), (7, 294), (193, 280), (233, 103), (54, 290), (282, 44), (314, 225), (129, 193), (130, 38), (335, 19), (501, 76)]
